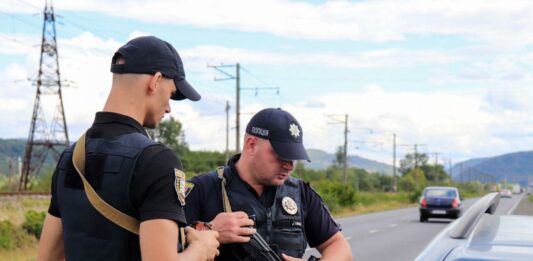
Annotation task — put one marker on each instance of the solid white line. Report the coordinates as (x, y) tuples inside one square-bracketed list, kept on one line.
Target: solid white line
[(516, 204), (373, 231)]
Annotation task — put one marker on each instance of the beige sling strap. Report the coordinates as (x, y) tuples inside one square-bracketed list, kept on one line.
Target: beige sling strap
[(225, 199), (116, 216)]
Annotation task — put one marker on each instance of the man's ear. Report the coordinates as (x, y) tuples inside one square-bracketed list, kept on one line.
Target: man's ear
[(155, 80), (250, 144)]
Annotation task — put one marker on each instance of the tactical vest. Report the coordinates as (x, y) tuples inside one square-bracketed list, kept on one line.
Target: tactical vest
[(110, 164), (284, 232)]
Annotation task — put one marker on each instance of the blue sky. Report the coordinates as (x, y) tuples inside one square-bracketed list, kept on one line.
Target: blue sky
[(453, 75)]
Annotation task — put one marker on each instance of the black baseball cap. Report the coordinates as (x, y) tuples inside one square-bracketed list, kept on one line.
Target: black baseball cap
[(282, 130), (149, 55)]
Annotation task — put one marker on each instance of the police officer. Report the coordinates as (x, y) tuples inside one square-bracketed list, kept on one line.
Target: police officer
[(265, 199), (127, 170)]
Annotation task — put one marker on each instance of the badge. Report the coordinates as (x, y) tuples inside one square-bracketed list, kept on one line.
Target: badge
[(188, 187), (179, 184), (295, 131), (289, 205)]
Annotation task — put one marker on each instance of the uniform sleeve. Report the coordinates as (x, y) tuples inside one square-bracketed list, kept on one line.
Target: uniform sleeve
[(319, 224), (153, 190), (53, 208), (193, 210), (204, 200)]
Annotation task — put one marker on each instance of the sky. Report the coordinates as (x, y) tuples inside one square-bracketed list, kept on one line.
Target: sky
[(452, 76)]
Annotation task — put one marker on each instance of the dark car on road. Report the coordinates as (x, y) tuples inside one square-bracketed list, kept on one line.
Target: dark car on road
[(440, 202)]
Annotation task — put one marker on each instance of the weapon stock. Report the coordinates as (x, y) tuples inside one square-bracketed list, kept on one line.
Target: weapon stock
[(259, 248)]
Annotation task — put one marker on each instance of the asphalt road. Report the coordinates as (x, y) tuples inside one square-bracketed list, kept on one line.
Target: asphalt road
[(397, 234)]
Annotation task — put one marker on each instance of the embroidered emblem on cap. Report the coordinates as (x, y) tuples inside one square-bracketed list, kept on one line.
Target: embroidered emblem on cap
[(179, 184), (289, 205), (295, 131)]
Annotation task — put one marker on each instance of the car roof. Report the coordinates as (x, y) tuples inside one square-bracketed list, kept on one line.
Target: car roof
[(481, 235), (438, 187), (498, 238)]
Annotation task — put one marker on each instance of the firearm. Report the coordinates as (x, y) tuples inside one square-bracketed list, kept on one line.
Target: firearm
[(258, 248)]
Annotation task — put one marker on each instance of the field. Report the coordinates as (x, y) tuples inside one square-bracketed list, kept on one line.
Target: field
[(13, 209)]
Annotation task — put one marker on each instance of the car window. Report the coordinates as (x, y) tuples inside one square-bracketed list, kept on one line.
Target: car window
[(440, 193)]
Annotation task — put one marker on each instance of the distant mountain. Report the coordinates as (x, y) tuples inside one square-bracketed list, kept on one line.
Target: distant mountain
[(321, 160), (514, 167)]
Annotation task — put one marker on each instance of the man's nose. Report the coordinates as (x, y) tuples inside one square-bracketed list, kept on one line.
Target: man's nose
[(288, 164)]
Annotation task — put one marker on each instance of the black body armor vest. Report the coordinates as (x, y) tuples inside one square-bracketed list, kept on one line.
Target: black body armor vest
[(284, 232), (109, 169)]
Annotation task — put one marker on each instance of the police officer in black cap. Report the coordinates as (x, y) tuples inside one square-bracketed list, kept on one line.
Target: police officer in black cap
[(263, 196), (136, 176)]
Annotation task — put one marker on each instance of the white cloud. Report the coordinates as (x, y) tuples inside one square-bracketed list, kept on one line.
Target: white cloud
[(501, 23)]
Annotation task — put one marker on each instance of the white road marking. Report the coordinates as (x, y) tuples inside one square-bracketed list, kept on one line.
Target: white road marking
[(373, 231), (393, 225), (348, 238), (515, 205)]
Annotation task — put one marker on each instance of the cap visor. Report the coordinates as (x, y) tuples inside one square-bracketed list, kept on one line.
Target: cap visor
[(290, 151), (185, 91)]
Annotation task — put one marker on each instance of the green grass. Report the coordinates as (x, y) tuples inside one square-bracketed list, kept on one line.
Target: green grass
[(13, 209)]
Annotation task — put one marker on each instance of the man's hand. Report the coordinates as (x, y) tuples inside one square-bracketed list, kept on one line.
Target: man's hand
[(290, 258), (203, 242), (233, 227)]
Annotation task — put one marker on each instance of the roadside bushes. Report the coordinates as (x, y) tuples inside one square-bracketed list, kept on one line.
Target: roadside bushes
[(33, 223), (336, 194), (12, 236)]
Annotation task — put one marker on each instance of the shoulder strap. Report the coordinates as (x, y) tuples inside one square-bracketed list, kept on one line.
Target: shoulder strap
[(225, 199), (114, 215)]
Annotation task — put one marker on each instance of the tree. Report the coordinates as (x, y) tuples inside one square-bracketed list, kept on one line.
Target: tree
[(410, 160), (338, 162), (171, 134), (414, 180)]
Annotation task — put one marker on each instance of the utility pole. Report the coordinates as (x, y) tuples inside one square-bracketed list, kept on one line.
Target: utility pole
[(461, 169), (451, 168), (237, 95), (394, 187), (435, 167), (345, 167), (345, 152), (43, 138), (227, 131)]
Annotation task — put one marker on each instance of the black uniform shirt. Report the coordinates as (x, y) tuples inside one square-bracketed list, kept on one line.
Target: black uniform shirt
[(204, 202), (152, 189)]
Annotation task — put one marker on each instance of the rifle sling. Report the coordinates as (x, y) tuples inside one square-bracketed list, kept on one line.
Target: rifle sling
[(225, 199)]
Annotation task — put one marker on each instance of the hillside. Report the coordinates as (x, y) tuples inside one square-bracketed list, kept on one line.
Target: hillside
[(321, 160), (514, 167), (10, 151)]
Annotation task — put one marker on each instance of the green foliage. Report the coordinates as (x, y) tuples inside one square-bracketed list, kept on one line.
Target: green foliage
[(33, 223), (12, 237), (412, 161), (414, 180), (195, 162), (172, 135), (336, 194)]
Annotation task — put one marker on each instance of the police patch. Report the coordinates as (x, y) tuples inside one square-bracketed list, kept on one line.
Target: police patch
[(179, 185), (289, 205), (188, 187)]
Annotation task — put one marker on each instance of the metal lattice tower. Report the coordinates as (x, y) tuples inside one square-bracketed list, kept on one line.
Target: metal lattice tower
[(44, 138)]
